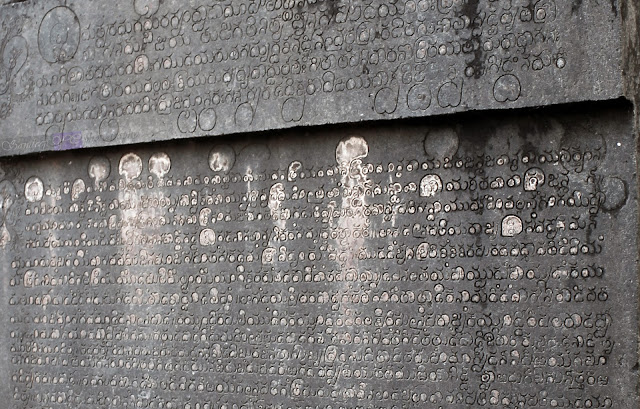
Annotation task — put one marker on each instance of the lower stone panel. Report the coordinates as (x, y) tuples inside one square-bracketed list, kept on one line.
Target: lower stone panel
[(469, 261)]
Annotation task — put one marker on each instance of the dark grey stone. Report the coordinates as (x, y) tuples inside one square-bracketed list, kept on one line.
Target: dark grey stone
[(476, 260), (87, 74)]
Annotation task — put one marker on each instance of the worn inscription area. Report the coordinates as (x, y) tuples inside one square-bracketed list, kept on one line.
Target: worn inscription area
[(485, 265), (85, 74)]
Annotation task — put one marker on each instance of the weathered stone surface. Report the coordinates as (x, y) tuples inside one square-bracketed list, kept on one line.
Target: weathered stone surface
[(489, 261), (89, 74)]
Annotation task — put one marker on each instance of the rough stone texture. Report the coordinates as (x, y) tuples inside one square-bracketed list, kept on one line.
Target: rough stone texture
[(88, 74), (477, 260)]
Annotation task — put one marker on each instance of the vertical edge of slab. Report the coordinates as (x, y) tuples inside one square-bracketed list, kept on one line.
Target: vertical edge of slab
[(630, 13)]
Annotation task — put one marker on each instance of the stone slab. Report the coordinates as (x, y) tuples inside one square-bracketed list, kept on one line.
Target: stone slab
[(485, 260), (89, 74)]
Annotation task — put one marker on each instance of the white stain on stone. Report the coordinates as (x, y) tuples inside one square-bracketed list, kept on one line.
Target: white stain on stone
[(207, 237), (159, 164), (268, 255), (430, 185), (5, 237), (34, 189), (222, 158), (511, 226), (294, 169), (130, 166), (77, 189), (204, 217), (276, 197), (422, 252), (533, 178), (99, 169), (350, 153), (350, 148), (29, 278), (7, 195)]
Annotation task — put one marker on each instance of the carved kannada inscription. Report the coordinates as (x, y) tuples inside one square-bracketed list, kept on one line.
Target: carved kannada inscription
[(449, 266), (90, 77)]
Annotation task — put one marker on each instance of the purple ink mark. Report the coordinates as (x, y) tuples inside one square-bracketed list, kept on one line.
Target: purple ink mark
[(67, 140)]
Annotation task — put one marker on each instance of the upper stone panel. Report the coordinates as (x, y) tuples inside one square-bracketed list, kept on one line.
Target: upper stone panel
[(84, 74)]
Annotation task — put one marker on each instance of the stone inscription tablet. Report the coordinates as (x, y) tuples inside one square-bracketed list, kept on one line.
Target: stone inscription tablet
[(491, 264), (87, 73)]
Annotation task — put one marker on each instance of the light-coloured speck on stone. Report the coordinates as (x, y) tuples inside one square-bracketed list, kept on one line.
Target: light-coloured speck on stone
[(533, 178), (511, 226), (5, 237), (34, 189), (222, 158), (350, 148), (422, 252), (7, 194), (207, 237), (268, 255), (205, 214), (276, 196), (99, 169), (159, 164), (130, 166), (77, 189), (29, 278), (294, 169), (430, 185)]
